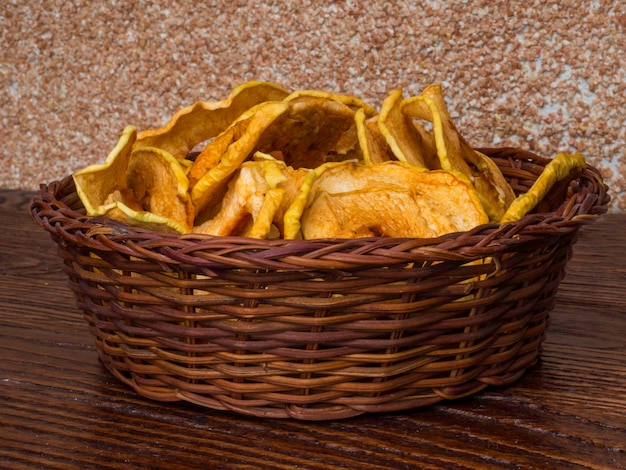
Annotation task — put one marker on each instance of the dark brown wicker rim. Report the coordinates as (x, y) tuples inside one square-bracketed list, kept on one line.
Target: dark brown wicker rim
[(57, 208)]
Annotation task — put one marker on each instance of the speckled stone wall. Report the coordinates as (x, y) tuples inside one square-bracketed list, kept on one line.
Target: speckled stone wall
[(545, 75)]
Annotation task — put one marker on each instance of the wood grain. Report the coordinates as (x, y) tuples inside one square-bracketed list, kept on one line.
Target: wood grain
[(59, 408)]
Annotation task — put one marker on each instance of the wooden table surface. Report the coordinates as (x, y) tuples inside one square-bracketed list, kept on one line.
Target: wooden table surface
[(59, 408)]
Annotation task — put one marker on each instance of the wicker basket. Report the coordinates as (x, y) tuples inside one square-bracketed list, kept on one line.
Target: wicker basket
[(320, 329)]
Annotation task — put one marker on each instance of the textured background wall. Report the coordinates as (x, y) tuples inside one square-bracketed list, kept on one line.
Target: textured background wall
[(540, 74)]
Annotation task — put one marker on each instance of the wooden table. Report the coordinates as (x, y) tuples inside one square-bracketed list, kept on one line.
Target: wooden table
[(59, 408)]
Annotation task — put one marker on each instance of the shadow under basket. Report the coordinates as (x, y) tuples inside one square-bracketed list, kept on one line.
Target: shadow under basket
[(321, 329)]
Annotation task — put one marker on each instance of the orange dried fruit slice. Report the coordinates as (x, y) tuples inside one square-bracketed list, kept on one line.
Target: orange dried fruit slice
[(351, 101), (561, 169), (408, 140), (213, 168), (298, 200), (160, 185), (250, 203), (452, 204), (95, 183), (457, 156), (313, 131), (125, 208), (372, 213), (204, 120), (374, 147)]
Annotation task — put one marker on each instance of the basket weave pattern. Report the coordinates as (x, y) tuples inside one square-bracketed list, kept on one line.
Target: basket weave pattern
[(320, 329)]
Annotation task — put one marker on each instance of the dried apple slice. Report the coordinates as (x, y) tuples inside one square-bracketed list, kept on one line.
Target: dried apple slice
[(351, 101), (313, 131), (372, 213), (561, 169), (160, 185), (298, 201), (409, 141), (373, 145), (457, 156), (250, 203), (202, 121), (123, 206), (95, 183), (209, 175), (453, 204)]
